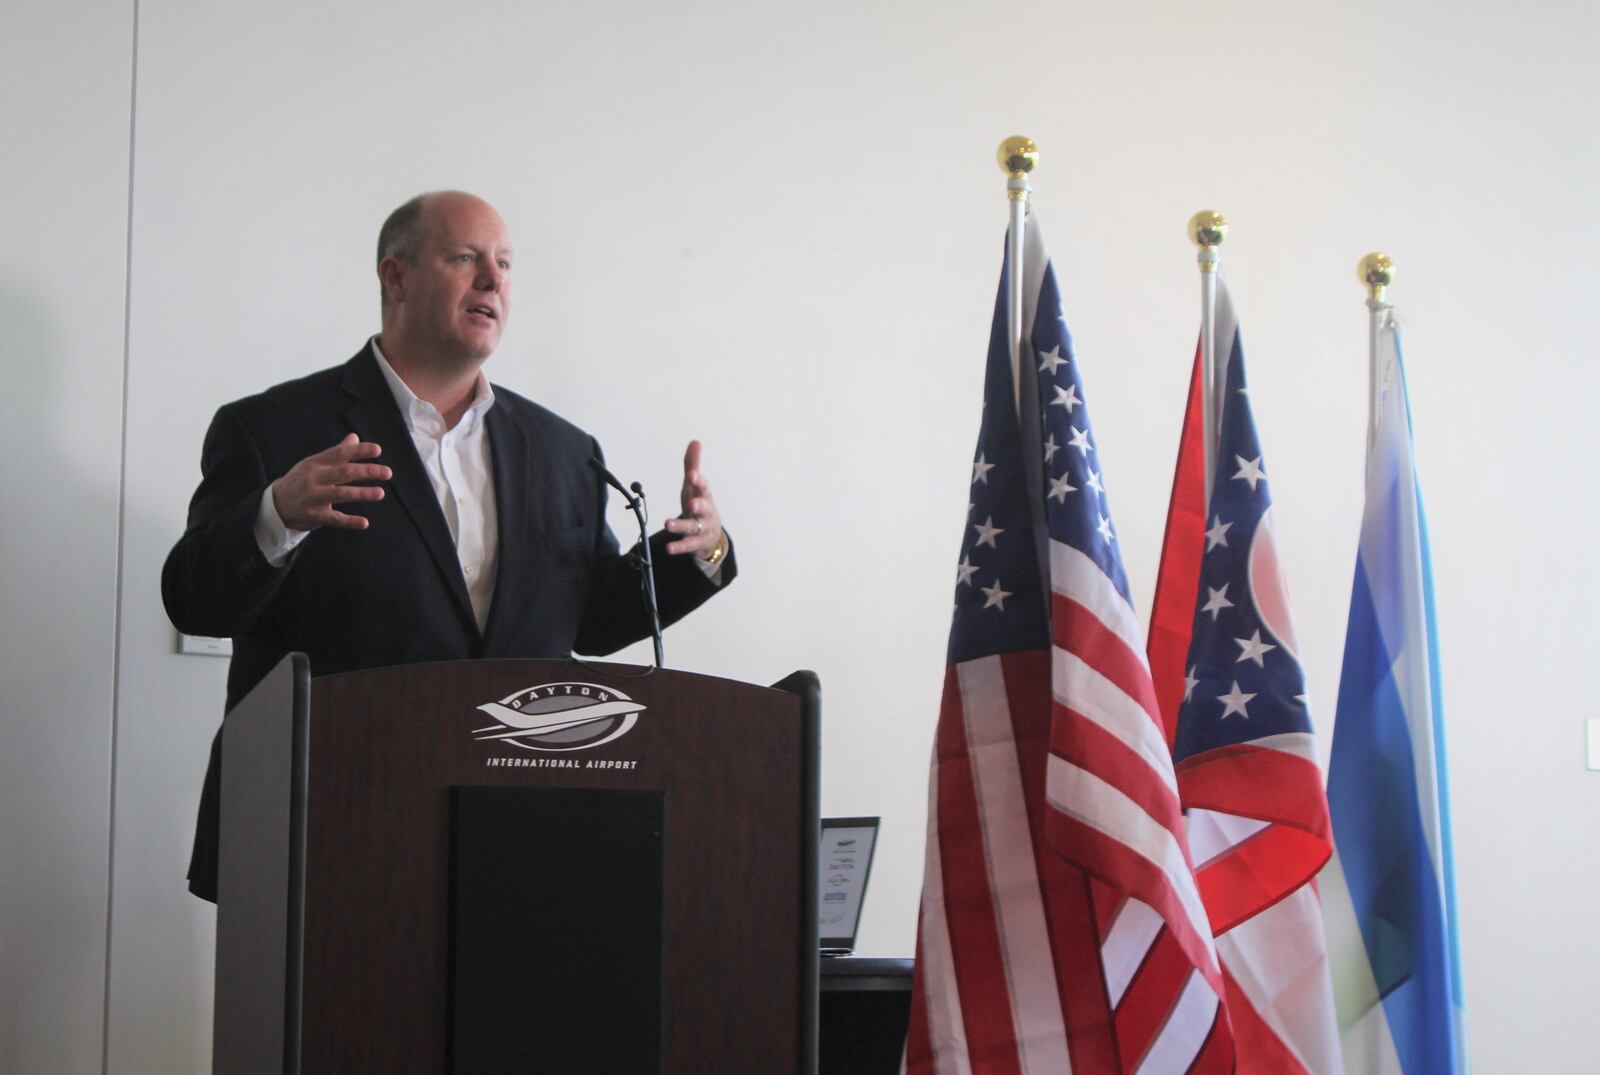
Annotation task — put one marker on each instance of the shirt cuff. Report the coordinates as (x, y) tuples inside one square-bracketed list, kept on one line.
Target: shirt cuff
[(275, 540), (712, 571)]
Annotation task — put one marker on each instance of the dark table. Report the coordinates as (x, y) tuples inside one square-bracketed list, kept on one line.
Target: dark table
[(864, 1007)]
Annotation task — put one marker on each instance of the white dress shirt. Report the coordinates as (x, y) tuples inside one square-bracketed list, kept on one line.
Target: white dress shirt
[(459, 469)]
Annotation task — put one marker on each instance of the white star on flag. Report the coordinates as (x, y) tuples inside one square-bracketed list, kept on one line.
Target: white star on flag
[(980, 470), (1066, 397), (1104, 527), (1234, 702), (1218, 534), (1080, 441), (1215, 602), (1049, 360), (1253, 649), (987, 531), (965, 571), (1050, 447), (997, 598), (1189, 683), (1250, 471), (1093, 482), (1060, 487)]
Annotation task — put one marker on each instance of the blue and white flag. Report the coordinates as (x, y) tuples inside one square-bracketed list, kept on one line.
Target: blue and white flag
[(1389, 893)]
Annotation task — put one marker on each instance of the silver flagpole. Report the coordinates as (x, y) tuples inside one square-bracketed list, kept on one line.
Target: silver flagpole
[(1017, 156), (1207, 229), (1376, 271)]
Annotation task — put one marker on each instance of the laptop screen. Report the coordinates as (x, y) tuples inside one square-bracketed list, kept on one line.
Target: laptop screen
[(844, 860)]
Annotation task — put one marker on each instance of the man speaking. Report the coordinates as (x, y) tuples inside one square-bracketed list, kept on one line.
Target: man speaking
[(399, 508)]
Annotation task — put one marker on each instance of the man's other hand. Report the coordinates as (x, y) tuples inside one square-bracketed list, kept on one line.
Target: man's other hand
[(305, 497), (700, 524)]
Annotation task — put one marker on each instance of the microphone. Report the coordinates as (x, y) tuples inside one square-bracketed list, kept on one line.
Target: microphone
[(647, 571), (612, 480)]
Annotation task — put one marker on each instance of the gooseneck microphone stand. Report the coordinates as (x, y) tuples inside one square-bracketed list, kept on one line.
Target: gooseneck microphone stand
[(641, 559)]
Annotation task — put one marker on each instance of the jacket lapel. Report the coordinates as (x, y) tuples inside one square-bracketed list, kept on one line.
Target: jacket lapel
[(521, 518), (373, 416)]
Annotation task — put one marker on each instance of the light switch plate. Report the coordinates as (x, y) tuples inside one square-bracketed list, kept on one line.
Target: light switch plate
[(201, 646)]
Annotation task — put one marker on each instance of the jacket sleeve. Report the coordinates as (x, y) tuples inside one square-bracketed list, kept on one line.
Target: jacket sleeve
[(616, 614), (215, 581)]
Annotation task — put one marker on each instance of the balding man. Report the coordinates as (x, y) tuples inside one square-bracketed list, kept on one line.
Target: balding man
[(399, 508)]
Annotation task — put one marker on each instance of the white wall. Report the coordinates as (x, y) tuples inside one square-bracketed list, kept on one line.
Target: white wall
[(779, 230), (65, 83)]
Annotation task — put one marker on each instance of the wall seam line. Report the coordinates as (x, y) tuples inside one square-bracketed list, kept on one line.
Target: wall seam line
[(122, 522)]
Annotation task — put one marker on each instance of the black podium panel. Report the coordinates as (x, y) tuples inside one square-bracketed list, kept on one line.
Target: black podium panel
[(555, 929)]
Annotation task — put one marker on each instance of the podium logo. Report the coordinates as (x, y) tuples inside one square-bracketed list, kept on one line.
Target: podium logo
[(560, 716)]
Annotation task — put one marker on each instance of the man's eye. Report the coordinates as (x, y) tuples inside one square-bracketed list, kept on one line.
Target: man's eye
[(506, 265)]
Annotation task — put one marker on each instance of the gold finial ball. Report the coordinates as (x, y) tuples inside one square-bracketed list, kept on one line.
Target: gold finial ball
[(1377, 272), (1017, 155), (1208, 228)]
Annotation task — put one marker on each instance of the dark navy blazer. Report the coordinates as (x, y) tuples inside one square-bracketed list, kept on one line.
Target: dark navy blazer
[(394, 593)]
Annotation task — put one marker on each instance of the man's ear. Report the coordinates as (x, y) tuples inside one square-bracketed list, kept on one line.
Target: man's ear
[(391, 274)]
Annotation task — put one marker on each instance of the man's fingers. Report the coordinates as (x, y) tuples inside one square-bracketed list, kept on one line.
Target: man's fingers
[(345, 522), (344, 494), (691, 459), (352, 447), (345, 473)]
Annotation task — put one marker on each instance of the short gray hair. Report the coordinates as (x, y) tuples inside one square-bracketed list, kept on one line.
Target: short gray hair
[(401, 236)]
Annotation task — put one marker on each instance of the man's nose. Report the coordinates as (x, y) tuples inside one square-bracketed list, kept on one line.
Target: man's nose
[(491, 277)]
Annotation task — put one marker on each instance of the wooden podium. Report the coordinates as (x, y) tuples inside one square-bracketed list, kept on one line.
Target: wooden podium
[(518, 865)]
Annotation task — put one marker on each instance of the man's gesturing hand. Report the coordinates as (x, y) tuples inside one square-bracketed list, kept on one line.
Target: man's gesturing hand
[(700, 524), (305, 497)]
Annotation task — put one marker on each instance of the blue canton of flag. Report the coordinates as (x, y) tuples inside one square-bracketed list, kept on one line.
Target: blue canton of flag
[(999, 573), (1244, 679)]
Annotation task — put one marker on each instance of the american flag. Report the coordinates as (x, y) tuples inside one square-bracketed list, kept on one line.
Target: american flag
[(1061, 928), (1246, 763)]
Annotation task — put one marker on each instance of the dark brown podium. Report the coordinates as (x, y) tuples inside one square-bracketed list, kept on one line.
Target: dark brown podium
[(518, 865)]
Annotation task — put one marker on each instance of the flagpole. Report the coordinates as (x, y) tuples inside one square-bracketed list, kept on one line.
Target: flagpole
[(1207, 229), (1017, 156), (1376, 271)]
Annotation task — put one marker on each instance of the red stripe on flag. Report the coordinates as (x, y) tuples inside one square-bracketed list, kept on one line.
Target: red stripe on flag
[(1027, 679), (969, 903), (1182, 549), (1076, 629), (1085, 743), (1117, 863), (1258, 782), (1075, 943), (1108, 903), (1147, 1002), (918, 1059), (1073, 921), (1259, 872), (1217, 1054), (1261, 1051)]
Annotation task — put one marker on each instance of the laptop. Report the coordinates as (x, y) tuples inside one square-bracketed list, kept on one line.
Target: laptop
[(844, 860)]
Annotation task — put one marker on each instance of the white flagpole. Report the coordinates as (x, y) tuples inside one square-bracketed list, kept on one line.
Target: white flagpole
[(1017, 156), (1207, 229), (1376, 271)]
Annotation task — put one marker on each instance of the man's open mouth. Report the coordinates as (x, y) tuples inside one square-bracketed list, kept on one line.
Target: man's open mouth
[(483, 311)]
